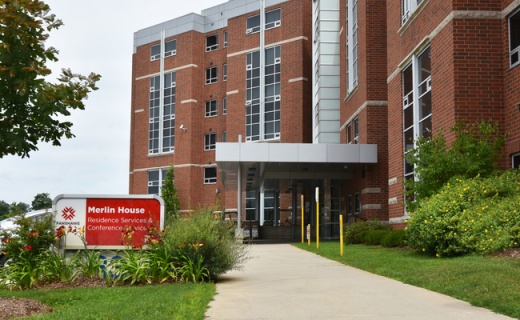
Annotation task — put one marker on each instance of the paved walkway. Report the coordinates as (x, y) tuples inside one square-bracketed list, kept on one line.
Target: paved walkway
[(284, 282)]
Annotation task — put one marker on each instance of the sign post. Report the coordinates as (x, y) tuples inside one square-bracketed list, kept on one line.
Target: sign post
[(317, 217)]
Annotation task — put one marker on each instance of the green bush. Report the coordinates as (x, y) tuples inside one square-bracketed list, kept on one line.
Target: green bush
[(479, 215), (394, 238), (355, 233), (374, 237), (202, 235)]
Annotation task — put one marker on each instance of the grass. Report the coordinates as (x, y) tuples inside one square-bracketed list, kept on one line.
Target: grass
[(169, 301), (488, 282)]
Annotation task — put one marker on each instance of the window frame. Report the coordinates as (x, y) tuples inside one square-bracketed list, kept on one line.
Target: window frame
[(212, 46), (210, 77), (211, 108), (355, 127), (225, 39), (159, 183), (254, 28), (157, 55), (514, 52), (352, 45), (224, 105), (224, 72), (173, 51), (210, 179), (210, 141), (224, 136), (408, 7), (515, 160)]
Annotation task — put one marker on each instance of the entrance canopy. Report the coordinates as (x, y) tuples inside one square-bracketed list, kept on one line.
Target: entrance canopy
[(256, 162)]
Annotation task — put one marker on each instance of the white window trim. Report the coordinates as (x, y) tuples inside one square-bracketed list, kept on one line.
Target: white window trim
[(212, 180), (211, 47), (513, 51), (214, 79), (208, 145), (352, 45), (211, 113)]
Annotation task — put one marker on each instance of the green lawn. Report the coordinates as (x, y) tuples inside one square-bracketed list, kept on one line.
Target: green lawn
[(492, 283), (169, 301)]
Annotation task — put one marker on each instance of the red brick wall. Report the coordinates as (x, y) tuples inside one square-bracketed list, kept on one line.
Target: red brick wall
[(189, 156)]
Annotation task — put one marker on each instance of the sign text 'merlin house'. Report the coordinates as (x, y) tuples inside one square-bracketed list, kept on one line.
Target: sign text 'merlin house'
[(101, 220)]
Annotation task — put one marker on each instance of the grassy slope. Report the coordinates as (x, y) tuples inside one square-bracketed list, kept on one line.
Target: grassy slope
[(492, 283)]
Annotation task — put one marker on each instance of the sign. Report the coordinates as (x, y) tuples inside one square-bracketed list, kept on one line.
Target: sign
[(107, 221)]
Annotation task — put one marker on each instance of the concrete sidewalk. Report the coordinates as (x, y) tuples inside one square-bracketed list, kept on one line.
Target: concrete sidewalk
[(284, 282)]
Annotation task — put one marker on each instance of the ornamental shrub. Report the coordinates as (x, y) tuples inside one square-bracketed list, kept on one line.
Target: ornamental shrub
[(201, 235), (474, 152), (394, 238), (355, 232), (374, 237), (479, 215)]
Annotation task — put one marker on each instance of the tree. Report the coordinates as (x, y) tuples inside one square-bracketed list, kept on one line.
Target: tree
[(30, 105), (170, 197), (41, 201), (17, 208), (4, 210), (474, 152)]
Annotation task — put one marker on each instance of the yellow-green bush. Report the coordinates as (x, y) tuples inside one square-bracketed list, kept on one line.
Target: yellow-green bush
[(479, 215)]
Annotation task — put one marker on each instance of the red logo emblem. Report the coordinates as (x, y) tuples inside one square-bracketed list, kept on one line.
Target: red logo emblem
[(68, 213)]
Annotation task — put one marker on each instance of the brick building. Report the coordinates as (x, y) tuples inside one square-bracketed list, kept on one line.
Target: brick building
[(258, 102)]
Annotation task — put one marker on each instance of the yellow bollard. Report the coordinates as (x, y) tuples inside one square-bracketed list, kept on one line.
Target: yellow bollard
[(341, 235), (317, 217), (302, 222)]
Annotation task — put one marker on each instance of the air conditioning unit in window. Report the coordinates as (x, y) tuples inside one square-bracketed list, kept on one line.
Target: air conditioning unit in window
[(248, 103), (150, 183), (277, 23), (277, 60), (249, 31)]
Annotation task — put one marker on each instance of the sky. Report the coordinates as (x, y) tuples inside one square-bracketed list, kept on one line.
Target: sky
[(97, 36)]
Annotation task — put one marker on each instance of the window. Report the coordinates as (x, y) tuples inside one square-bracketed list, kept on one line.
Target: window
[(352, 45), (170, 48), (211, 75), (253, 24), (210, 175), (349, 133), (161, 121), (357, 205), (263, 124), (516, 160), (251, 205), (409, 7), (211, 108), (356, 130), (155, 52), (225, 39), (514, 38), (156, 180), (417, 104), (224, 136), (224, 72), (224, 105), (272, 20), (154, 116), (168, 129), (211, 43), (210, 141)]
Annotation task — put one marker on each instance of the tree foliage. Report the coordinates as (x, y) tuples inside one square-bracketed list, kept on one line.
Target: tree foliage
[(30, 105), (474, 152), (170, 196), (41, 201)]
